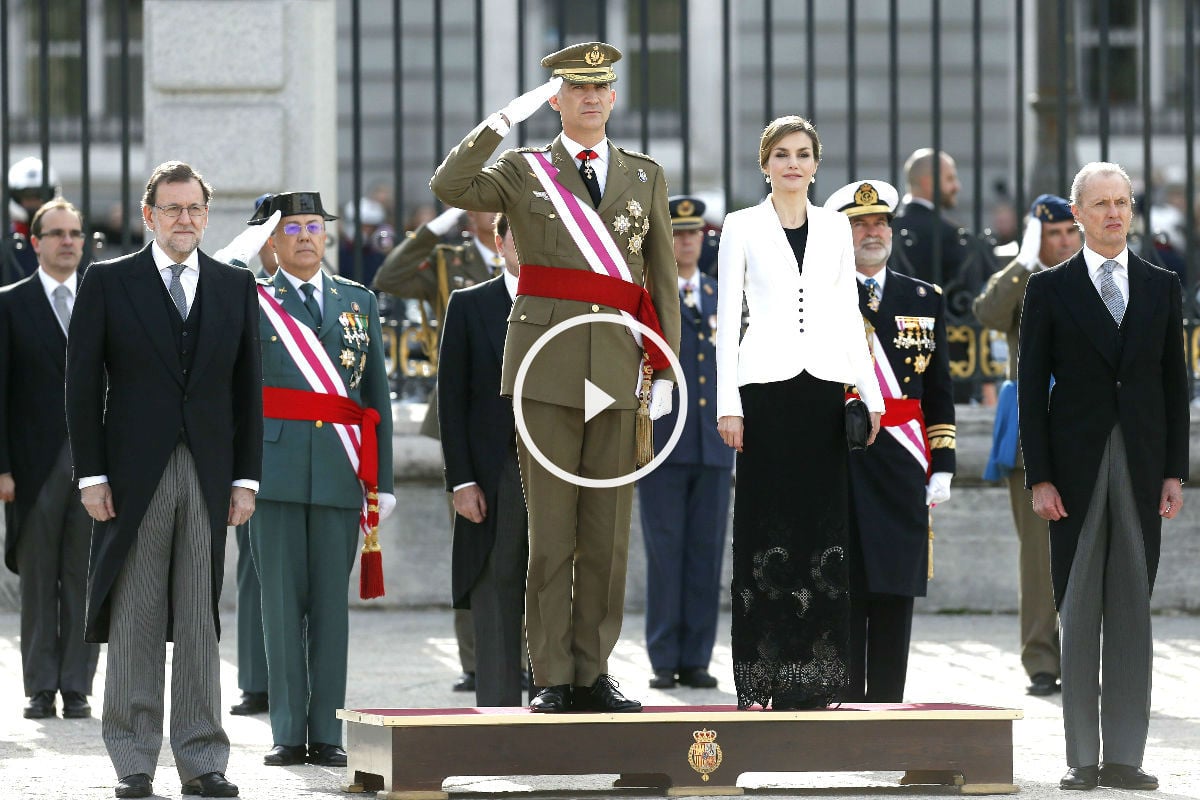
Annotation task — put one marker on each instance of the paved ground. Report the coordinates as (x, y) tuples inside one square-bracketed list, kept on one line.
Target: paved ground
[(404, 658)]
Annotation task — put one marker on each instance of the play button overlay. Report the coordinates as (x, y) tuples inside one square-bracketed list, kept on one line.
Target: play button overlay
[(596, 400)]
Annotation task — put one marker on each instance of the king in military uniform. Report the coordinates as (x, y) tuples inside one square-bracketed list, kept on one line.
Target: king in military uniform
[(893, 483), (327, 449), (591, 224)]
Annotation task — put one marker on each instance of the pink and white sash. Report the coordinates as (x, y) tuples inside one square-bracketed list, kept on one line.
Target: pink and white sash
[(908, 434), (319, 373), (585, 226)]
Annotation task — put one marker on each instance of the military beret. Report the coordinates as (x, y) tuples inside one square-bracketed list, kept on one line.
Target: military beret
[(587, 62), (864, 197), (290, 204), (687, 213), (1050, 208)]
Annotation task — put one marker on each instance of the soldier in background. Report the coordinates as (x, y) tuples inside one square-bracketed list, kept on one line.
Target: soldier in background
[(685, 502), (893, 482), (1051, 237)]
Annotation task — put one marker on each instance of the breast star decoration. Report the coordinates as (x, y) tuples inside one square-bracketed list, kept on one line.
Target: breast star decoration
[(635, 226)]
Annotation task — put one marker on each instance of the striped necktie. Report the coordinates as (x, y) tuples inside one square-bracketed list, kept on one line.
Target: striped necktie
[(1109, 292), (175, 289)]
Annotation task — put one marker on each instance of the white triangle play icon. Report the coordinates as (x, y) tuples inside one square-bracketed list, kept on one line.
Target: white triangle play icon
[(595, 400)]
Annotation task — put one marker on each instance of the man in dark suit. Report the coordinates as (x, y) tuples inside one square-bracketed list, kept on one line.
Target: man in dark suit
[(47, 530), (965, 262), (164, 410), (1106, 454), (479, 447), (893, 483), (685, 502)]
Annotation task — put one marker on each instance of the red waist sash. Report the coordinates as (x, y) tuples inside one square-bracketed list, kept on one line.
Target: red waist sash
[(297, 404), (558, 283)]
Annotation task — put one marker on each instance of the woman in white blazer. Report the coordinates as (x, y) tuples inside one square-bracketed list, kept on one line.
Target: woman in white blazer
[(780, 404)]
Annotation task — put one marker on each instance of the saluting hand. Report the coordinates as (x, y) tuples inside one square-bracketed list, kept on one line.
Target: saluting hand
[(730, 429), (524, 107), (98, 502)]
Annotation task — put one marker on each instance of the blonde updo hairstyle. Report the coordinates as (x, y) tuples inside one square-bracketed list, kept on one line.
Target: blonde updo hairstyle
[(781, 127)]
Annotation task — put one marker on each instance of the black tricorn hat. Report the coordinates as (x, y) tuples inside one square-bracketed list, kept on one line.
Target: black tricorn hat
[(290, 204)]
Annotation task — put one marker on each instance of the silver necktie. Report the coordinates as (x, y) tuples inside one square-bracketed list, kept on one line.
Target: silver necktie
[(1109, 292), (176, 290), (61, 308)]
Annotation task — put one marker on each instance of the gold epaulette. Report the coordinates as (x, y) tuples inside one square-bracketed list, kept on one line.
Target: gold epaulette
[(941, 436), (543, 149)]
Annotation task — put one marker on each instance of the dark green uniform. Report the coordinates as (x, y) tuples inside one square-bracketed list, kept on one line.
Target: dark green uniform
[(304, 533)]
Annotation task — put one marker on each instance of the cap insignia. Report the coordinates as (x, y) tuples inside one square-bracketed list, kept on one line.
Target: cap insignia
[(866, 195)]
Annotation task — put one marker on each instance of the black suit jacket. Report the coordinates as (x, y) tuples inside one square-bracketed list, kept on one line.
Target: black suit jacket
[(1134, 375), (33, 424), (129, 403), (477, 428)]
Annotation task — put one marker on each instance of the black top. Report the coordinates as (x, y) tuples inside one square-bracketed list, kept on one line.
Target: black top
[(798, 238)]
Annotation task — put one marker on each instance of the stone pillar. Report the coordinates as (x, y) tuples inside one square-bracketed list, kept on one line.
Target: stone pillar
[(245, 91)]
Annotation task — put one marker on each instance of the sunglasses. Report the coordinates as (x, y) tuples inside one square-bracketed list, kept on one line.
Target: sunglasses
[(294, 228)]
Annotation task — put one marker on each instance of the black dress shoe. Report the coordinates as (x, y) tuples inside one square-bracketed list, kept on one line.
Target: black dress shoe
[(551, 699), (1123, 776), (251, 703), (1042, 684), (211, 784), (1080, 778), (136, 785), (602, 696), (285, 755), (663, 679), (40, 706), (75, 706), (326, 755), (698, 678), (465, 682)]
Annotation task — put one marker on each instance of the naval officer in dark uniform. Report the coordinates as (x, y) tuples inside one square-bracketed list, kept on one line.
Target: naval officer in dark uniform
[(908, 469), (685, 502)]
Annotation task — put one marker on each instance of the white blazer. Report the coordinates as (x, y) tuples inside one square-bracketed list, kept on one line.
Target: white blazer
[(806, 322)]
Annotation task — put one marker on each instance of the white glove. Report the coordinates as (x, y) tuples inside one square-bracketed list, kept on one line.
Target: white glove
[(445, 222), (524, 106), (938, 490), (246, 244), (660, 398), (387, 504), (1031, 244)]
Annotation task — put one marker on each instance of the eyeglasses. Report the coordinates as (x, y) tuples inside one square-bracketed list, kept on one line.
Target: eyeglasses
[(173, 211), (59, 233), (294, 228)]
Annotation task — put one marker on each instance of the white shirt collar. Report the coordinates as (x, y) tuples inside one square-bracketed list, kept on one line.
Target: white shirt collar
[(163, 261), (694, 282), (880, 278), (50, 283), (1094, 261), (493, 259), (316, 281), (574, 148), (510, 283)]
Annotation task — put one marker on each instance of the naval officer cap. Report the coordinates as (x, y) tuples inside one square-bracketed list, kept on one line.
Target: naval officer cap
[(588, 62), (1050, 208), (864, 197), (687, 213), (290, 204)]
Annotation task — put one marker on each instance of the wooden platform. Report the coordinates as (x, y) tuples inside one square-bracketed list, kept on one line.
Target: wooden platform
[(406, 753)]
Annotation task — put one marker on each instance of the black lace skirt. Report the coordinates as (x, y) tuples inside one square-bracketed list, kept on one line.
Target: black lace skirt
[(791, 605)]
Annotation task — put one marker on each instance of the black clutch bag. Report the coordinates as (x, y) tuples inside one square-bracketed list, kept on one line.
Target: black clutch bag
[(858, 424)]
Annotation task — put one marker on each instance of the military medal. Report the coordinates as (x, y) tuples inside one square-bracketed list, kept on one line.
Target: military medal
[(347, 358), (641, 173), (921, 362)]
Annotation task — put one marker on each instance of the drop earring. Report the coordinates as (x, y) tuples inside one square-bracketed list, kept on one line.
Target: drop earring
[(766, 178)]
